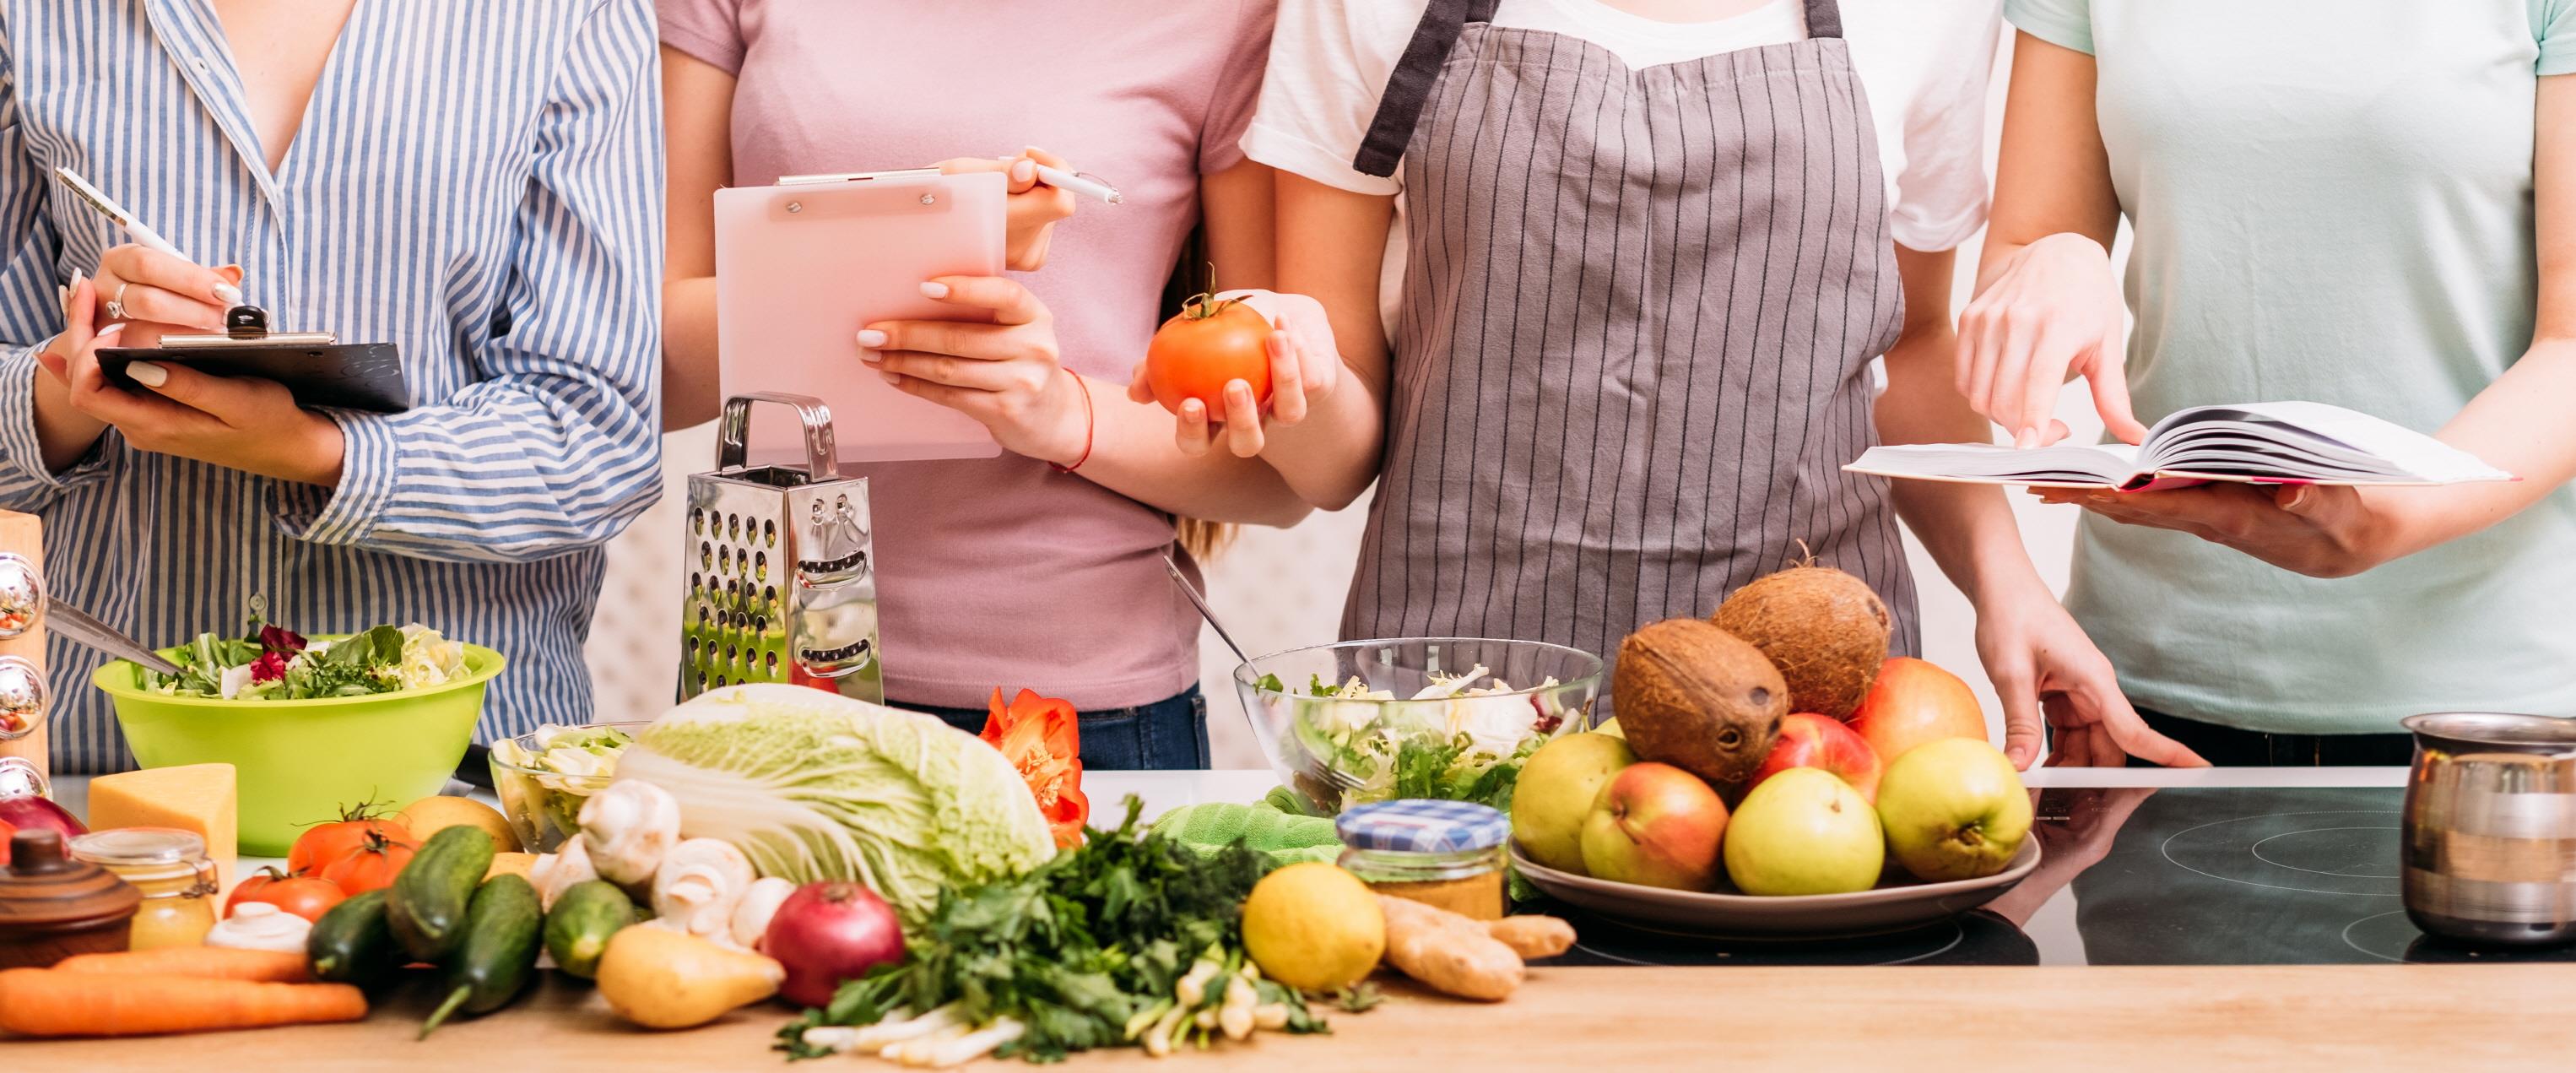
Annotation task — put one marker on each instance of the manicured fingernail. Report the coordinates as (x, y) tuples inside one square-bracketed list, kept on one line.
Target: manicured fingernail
[(231, 295), (871, 357), (934, 289), (109, 332), (146, 373), (891, 378), (1024, 170), (2026, 438), (870, 337)]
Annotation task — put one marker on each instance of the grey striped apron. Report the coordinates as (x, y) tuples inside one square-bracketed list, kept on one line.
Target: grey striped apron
[(1634, 349)]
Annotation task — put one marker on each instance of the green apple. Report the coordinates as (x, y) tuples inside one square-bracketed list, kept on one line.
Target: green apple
[(1655, 825), (1610, 726), (1557, 786), (1804, 831), (1953, 809)]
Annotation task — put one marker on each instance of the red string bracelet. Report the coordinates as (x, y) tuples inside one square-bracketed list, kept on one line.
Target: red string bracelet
[(1090, 424)]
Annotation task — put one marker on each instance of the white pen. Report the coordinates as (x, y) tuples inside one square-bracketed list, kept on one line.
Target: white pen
[(142, 233), (1073, 183), (1078, 184)]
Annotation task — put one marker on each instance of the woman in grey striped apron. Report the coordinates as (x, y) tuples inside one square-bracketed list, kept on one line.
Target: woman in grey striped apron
[(1639, 314), (1640, 302)]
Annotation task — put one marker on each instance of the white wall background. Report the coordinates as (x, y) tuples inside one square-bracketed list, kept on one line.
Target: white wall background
[(1275, 589)]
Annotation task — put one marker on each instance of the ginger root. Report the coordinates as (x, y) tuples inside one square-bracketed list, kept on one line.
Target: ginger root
[(1533, 936), (1448, 952)]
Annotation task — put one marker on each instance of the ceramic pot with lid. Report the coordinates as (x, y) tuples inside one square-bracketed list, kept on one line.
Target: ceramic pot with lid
[(2489, 839), (53, 906)]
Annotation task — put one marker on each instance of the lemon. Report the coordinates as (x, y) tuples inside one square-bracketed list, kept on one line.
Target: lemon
[(1313, 926), (432, 814)]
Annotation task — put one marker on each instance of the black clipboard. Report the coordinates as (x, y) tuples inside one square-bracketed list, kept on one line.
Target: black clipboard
[(318, 369)]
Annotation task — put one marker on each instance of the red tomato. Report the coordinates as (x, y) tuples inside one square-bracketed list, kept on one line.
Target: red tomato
[(1210, 344), (303, 896), (1042, 737), (322, 844), (372, 866)]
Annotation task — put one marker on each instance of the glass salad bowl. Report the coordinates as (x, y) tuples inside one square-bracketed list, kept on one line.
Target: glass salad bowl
[(1427, 717), (543, 777)]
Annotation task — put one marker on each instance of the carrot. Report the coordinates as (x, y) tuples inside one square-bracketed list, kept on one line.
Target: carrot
[(204, 962), (49, 1002)]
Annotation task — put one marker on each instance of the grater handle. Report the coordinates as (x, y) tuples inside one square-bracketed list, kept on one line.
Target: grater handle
[(733, 434)]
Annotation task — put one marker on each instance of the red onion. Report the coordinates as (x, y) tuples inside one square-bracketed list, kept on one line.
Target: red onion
[(828, 932), (25, 811)]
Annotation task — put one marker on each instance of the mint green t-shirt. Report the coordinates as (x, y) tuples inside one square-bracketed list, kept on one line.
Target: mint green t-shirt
[(2331, 200)]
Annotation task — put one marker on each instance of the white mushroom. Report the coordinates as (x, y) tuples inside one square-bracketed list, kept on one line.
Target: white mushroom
[(697, 886), (752, 911), (555, 873), (627, 828)]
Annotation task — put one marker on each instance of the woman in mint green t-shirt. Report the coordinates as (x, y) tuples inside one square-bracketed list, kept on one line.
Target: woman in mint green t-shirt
[(2365, 204)]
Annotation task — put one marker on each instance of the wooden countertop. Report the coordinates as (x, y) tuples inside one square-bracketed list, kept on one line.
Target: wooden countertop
[(2164, 1019)]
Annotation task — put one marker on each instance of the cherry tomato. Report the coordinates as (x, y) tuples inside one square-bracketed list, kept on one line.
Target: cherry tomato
[(304, 896), (372, 866), (1208, 345), (322, 844)]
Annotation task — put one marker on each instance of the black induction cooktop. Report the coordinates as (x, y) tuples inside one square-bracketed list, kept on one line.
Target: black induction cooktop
[(2139, 876)]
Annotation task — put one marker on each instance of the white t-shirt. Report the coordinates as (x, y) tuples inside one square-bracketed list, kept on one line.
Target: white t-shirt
[(1924, 65)]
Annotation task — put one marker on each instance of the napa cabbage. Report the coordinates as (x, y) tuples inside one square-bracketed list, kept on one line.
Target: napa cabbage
[(813, 785)]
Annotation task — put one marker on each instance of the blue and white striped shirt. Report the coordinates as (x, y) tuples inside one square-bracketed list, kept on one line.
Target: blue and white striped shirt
[(478, 183)]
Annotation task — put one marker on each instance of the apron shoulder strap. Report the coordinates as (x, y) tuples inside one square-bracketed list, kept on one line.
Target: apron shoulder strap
[(1824, 19), (1409, 88)]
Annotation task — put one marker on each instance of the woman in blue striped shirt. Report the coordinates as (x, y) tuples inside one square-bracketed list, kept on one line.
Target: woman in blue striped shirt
[(479, 184)]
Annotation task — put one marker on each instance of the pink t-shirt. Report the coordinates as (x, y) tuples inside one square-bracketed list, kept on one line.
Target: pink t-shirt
[(1002, 572)]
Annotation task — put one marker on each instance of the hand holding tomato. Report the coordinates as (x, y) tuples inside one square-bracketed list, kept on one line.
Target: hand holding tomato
[(1235, 354)]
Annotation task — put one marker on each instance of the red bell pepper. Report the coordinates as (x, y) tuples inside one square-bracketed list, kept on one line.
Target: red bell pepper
[(1042, 737)]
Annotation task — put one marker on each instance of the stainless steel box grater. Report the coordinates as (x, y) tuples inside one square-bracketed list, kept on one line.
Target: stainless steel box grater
[(781, 586)]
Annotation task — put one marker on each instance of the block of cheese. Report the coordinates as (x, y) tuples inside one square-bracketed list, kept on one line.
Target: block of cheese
[(192, 797)]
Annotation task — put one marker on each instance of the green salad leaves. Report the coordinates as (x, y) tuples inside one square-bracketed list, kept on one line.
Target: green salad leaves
[(1084, 951), (271, 663)]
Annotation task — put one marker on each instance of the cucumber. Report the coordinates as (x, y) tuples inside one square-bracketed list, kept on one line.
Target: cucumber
[(498, 954), (583, 918), (427, 903), (353, 943)]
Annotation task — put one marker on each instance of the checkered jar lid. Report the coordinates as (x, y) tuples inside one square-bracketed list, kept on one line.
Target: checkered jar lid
[(1423, 827)]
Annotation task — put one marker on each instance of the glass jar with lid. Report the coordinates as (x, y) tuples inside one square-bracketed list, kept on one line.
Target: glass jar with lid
[(1443, 853), (172, 870)]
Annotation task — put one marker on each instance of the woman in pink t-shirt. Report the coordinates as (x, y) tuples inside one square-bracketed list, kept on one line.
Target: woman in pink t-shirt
[(1008, 572)]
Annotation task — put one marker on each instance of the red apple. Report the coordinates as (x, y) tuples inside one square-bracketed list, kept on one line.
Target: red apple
[(1657, 825), (1913, 702), (1822, 741)]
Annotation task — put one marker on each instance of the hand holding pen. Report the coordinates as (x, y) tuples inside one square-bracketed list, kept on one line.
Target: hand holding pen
[(149, 282), (1043, 190)]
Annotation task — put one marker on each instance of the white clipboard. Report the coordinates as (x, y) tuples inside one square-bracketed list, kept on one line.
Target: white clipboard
[(803, 265)]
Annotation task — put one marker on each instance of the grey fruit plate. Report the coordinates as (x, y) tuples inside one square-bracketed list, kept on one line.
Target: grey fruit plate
[(1730, 915)]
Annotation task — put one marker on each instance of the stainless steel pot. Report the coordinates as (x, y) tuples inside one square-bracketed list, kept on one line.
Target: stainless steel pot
[(2490, 828)]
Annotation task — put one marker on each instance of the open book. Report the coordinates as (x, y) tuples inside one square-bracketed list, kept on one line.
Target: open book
[(2258, 443)]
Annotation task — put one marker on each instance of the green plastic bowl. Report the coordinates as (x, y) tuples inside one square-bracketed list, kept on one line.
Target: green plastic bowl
[(300, 762)]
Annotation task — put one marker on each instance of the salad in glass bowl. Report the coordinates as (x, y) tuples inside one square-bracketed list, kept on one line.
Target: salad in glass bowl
[(542, 777), (1450, 718), (274, 663)]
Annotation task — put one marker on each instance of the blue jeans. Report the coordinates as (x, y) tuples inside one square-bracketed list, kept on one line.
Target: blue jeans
[(1167, 735)]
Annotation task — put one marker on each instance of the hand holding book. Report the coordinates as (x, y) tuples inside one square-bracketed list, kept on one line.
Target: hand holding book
[(2296, 443)]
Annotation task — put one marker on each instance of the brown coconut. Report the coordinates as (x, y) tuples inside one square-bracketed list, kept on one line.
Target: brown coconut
[(1699, 698), (1824, 629)]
